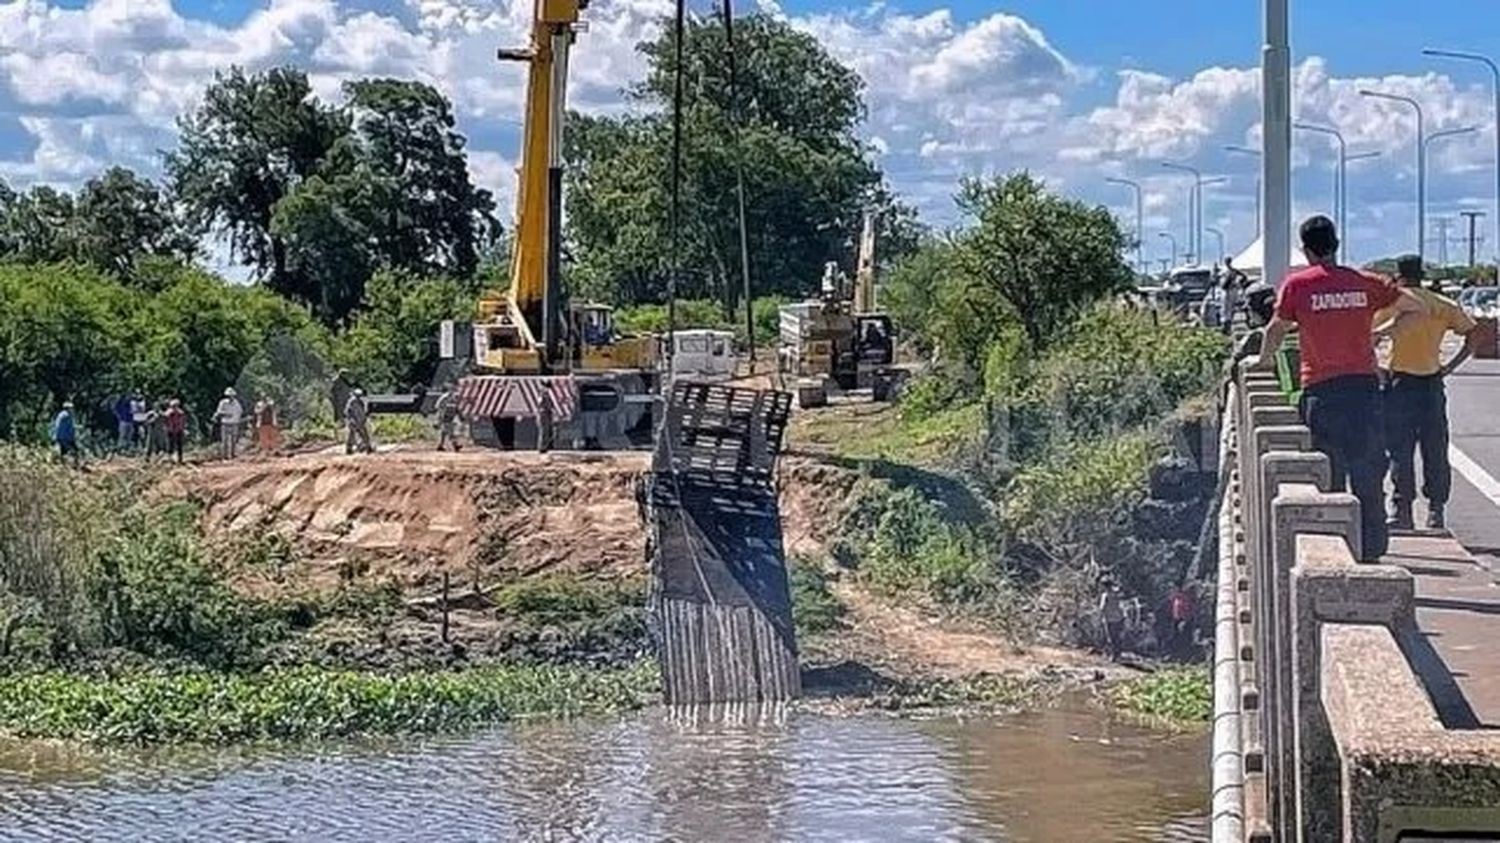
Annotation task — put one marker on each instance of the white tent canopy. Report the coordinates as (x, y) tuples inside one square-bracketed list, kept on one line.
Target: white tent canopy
[(1252, 259)]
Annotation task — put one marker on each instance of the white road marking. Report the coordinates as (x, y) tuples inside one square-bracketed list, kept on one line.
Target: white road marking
[(1475, 474)]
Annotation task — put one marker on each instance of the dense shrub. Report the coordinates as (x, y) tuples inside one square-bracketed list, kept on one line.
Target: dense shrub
[(903, 542), (815, 608)]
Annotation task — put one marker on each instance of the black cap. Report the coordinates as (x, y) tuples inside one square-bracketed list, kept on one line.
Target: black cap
[(1409, 266)]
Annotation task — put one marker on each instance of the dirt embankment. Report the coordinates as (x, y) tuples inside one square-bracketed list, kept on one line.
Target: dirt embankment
[(490, 519), (411, 516)]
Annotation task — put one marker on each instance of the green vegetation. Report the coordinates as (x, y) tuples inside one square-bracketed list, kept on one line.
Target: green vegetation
[(1181, 695), (301, 704), (1010, 476), (807, 174), (815, 608), (981, 691)]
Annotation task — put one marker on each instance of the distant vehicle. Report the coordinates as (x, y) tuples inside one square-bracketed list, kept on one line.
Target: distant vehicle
[(1188, 285), (703, 354), (1481, 302)]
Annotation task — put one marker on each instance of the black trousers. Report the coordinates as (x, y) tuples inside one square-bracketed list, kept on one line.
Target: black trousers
[(1416, 418), (1344, 416)]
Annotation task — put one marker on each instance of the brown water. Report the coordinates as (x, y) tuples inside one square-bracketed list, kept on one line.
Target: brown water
[(1057, 775)]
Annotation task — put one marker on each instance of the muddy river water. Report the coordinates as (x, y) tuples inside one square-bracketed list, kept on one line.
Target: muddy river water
[(1068, 774)]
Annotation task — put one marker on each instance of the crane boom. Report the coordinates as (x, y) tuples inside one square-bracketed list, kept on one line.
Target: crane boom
[(533, 300)]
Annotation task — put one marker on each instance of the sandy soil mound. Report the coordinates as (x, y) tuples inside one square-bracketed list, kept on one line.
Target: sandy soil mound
[(413, 515)]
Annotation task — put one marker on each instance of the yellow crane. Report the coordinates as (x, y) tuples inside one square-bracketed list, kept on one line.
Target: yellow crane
[(536, 359)]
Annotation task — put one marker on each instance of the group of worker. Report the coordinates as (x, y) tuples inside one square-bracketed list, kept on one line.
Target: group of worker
[(1368, 419)]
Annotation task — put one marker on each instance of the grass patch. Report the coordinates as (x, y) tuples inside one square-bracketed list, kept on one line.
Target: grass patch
[(1181, 694), (815, 609), (302, 703)]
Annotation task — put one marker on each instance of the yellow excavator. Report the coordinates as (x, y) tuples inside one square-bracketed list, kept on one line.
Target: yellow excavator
[(534, 364), (839, 342)]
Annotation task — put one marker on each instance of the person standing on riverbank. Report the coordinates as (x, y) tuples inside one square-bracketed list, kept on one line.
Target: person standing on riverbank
[(124, 425), (1416, 404), (65, 435), (1334, 308), (447, 419), (357, 417), (175, 421), (228, 416), (1112, 615)]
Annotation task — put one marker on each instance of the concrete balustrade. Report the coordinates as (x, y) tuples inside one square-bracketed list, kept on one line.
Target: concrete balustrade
[(1402, 772), (1322, 729), (1329, 586)]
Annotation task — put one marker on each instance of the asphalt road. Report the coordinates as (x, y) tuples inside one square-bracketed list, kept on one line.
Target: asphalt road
[(1474, 431)]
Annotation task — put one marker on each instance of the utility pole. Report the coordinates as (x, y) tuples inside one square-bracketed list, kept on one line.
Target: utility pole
[(1442, 224), (1276, 141), (1473, 217)]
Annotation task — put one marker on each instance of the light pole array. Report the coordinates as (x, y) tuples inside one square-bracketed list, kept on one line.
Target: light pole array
[(1195, 205), (1495, 73), (1421, 165), (1140, 248)]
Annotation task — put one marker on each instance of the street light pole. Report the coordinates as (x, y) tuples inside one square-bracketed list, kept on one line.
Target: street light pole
[(1344, 234), (1219, 235), (1195, 206), (1427, 145), (1495, 72), (1421, 166), (1171, 240), (1276, 143), (1245, 150), (1140, 253), (1338, 176)]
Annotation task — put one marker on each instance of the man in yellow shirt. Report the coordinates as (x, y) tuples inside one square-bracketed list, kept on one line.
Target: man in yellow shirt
[(1416, 407)]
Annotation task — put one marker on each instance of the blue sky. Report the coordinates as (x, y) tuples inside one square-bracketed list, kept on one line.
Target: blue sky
[(1074, 90)]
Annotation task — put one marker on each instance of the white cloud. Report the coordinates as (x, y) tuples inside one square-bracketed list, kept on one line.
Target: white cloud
[(946, 96)]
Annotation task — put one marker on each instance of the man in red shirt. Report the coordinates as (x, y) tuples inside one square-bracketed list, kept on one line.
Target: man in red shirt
[(1334, 310)]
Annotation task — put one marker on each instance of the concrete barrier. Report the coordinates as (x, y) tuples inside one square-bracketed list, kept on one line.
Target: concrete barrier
[(1329, 586), (1401, 773)]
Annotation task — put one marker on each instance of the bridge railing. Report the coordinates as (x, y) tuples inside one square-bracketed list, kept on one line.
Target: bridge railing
[(1305, 635)]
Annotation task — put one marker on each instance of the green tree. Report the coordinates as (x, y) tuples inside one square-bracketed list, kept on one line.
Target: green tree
[(1046, 256), (393, 342), (432, 219), (807, 175), (62, 337), (120, 217), (253, 139), (38, 226)]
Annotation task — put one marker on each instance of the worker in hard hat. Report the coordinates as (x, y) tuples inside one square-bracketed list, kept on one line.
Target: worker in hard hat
[(228, 416)]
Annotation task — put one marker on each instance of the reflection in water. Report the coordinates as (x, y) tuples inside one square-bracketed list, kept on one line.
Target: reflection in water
[(754, 775)]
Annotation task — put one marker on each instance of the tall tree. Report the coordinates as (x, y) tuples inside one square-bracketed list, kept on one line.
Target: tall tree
[(434, 220), (38, 226), (252, 140), (120, 217), (808, 177)]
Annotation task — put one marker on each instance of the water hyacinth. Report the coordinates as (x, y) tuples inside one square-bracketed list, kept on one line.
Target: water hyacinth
[(303, 703)]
